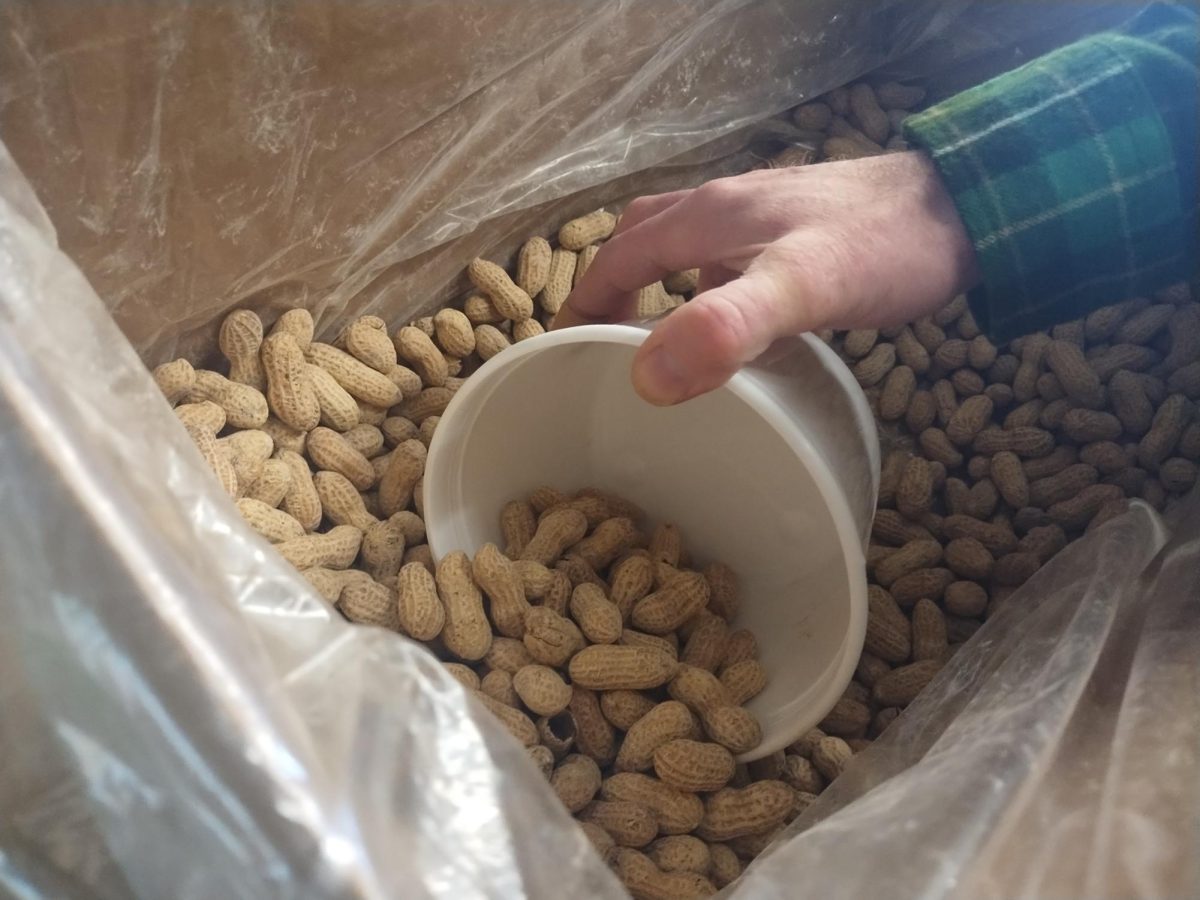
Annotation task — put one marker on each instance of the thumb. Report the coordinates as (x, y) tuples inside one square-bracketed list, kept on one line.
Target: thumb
[(700, 345)]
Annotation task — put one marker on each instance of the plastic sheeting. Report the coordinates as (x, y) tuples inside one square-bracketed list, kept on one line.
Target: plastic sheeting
[(1055, 756), (182, 717), (193, 156)]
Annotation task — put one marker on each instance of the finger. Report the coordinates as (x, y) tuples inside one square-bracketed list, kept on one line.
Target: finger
[(643, 208), (620, 311), (699, 346), (667, 242)]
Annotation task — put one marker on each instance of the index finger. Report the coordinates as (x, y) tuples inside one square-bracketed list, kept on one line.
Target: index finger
[(631, 260)]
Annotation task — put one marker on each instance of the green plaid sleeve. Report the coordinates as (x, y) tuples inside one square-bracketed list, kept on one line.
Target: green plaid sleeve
[(1075, 175)]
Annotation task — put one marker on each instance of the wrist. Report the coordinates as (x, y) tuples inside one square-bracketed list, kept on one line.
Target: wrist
[(945, 224)]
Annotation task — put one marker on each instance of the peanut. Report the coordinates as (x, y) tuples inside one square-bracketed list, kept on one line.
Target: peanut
[(557, 733), (383, 546), (901, 686), (415, 347), (397, 429), (341, 502), (668, 608), (298, 323), (367, 602), (514, 721), (744, 680), (505, 653), (593, 734), (559, 279), (1077, 378), (624, 708), (632, 580), (646, 881), (542, 689), (403, 470), (707, 644), (1165, 430), (597, 617), (888, 631), (301, 501), (419, 554), (285, 437), (676, 811), (248, 451), (337, 409), (240, 338), (550, 638), (969, 419), (667, 721), (466, 633), (204, 415), (874, 367), (693, 765), (699, 689), (733, 727), (608, 667), (428, 403), (915, 554), (576, 781), (558, 530), (512, 302), (533, 266), (908, 589), (245, 406), (684, 282), (358, 379), (631, 638), (272, 484), (336, 549), (543, 757), (331, 451), (367, 341), (273, 524), (176, 380), (406, 379), (735, 812), (578, 233), (681, 853), (898, 389), (366, 439), (495, 574), (607, 541)]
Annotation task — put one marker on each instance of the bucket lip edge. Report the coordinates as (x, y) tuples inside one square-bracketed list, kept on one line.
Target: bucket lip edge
[(743, 386)]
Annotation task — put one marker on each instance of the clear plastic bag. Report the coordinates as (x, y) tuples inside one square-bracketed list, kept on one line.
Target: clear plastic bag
[(1055, 756), (352, 159), (183, 718)]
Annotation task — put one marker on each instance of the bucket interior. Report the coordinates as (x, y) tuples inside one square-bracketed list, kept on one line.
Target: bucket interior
[(715, 466)]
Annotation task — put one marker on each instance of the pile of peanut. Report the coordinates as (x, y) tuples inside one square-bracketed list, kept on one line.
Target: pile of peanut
[(598, 647), (589, 639), (1004, 454), (850, 123), (638, 739), (1007, 455)]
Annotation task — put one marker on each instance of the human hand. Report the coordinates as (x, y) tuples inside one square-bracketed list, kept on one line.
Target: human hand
[(854, 244)]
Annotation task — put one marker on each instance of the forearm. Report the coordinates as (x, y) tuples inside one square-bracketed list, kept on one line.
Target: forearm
[(1075, 175)]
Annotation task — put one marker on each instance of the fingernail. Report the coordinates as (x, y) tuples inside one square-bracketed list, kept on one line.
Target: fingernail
[(662, 379)]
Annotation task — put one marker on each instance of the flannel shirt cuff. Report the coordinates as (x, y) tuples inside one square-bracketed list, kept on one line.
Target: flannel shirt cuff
[(1066, 179)]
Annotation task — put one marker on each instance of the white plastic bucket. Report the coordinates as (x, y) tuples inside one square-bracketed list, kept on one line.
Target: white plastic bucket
[(776, 474)]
